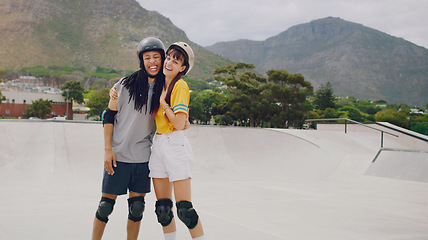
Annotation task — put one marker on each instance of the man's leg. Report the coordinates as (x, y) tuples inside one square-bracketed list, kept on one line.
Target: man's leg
[(133, 228), (99, 226)]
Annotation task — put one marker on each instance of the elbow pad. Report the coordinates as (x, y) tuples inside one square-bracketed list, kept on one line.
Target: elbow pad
[(108, 116)]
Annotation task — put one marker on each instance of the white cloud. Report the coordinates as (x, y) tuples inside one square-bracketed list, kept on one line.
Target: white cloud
[(207, 22)]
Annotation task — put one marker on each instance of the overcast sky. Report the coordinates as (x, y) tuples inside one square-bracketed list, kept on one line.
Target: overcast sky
[(209, 21)]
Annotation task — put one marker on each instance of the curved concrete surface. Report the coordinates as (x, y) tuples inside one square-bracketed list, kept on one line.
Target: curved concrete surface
[(248, 184)]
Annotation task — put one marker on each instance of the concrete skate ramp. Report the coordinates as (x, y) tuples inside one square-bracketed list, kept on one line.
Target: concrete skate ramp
[(409, 165), (258, 154), (248, 184)]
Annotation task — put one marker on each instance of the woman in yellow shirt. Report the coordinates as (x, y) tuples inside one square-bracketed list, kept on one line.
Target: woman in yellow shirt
[(172, 157)]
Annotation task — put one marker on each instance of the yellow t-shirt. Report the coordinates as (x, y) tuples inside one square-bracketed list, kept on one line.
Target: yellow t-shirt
[(180, 97)]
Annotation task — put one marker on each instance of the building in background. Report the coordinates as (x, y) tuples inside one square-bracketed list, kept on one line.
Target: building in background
[(17, 101), (23, 91)]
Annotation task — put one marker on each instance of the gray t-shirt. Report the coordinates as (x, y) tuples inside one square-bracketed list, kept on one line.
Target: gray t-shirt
[(133, 130)]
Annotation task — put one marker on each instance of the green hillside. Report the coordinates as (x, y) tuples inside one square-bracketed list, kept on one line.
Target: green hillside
[(87, 33)]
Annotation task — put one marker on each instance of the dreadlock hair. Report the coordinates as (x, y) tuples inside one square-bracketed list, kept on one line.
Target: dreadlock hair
[(138, 86), (179, 54)]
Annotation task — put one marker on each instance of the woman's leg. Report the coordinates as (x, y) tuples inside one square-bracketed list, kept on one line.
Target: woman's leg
[(163, 190), (182, 192)]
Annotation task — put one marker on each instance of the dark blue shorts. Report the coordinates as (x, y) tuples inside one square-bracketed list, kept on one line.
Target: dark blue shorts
[(127, 176)]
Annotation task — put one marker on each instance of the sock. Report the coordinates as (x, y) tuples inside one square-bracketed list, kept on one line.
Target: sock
[(200, 238), (170, 236)]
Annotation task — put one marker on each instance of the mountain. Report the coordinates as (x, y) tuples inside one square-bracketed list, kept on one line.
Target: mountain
[(357, 60), (87, 33)]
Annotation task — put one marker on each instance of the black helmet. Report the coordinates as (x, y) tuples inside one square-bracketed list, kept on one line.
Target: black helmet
[(150, 44)]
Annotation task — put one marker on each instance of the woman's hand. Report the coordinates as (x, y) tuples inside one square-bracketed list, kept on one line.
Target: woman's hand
[(113, 102), (113, 93), (162, 100), (187, 123)]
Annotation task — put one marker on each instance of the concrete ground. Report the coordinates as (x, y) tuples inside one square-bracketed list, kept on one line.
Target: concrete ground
[(248, 183)]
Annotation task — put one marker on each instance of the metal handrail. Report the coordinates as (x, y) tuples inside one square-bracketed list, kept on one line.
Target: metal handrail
[(350, 120)]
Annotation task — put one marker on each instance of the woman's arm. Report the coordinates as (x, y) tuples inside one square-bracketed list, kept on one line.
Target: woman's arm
[(177, 119)]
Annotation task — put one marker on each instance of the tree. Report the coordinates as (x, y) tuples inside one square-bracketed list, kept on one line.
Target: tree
[(204, 105), (289, 92), (330, 113), (39, 108), (246, 89), (87, 94), (73, 90), (197, 108), (347, 101), (394, 117), (351, 113), (324, 97), (2, 98), (404, 108), (98, 102), (367, 107)]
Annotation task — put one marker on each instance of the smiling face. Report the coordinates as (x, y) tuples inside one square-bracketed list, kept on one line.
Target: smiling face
[(173, 64), (152, 62)]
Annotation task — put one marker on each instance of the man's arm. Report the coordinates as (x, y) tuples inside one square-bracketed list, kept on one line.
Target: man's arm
[(109, 156)]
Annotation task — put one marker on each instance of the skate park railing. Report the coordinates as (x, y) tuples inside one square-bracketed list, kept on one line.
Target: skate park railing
[(407, 132), (347, 121)]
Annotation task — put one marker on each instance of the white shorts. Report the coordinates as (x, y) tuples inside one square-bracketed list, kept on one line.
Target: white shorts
[(171, 157)]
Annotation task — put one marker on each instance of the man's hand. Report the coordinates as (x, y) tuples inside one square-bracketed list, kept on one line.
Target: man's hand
[(109, 161)]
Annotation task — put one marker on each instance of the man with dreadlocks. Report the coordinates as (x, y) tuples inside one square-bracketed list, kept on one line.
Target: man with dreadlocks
[(129, 128)]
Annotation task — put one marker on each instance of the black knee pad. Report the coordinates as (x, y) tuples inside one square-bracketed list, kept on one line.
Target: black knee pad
[(136, 207), (187, 214), (105, 208), (163, 211)]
